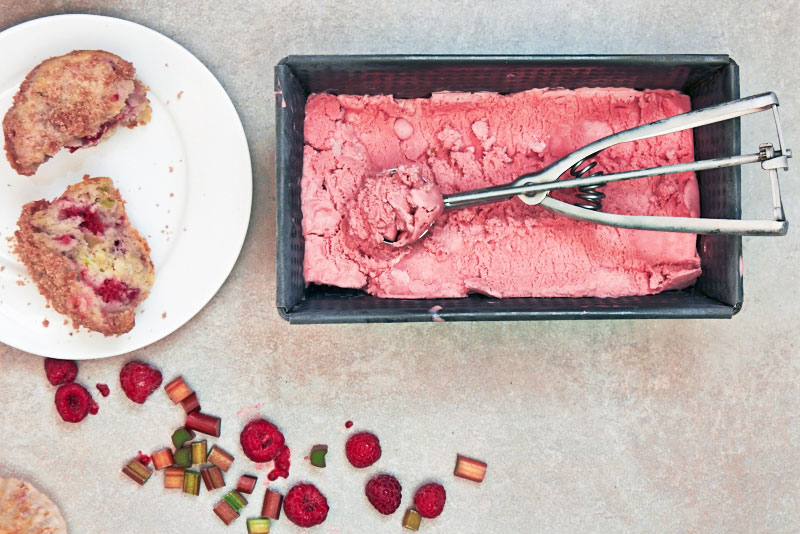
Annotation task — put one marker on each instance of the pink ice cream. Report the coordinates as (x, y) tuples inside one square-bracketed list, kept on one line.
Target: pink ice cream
[(461, 141), (397, 206)]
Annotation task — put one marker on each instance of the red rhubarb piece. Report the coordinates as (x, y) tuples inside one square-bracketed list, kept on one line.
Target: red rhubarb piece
[(139, 380), (305, 506), (73, 402), (261, 440), (429, 500), (207, 424), (363, 449), (60, 371), (384, 493)]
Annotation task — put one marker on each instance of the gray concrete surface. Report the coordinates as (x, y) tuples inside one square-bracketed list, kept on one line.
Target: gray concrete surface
[(645, 426)]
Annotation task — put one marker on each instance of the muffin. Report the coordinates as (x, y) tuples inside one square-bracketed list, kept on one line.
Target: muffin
[(72, 101), (85, 257)]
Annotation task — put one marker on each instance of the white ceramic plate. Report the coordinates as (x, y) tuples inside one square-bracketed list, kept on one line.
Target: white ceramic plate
[(185, 177)]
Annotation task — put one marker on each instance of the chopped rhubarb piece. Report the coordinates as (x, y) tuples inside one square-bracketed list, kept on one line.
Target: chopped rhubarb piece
[(173, 477), (317, 455), (183, 457), (220, 458), (225, 512), (258, 525), (470, 469), (162, 459), (191, 482), (177, 390), (246, 484), (212, 477), (236, 500), (199, 452), (207, 424), (139, 472), (412, 519), (272, 505), (181, 436), (191, 403)]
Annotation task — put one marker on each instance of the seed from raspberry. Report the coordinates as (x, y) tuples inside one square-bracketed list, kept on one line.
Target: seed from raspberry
[(305, 506), (429, 500), (384, 493), (261, 440), (73, 402), (138, 380), (60, 371)]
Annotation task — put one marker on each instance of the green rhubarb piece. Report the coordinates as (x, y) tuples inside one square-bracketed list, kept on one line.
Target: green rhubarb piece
[(181, 436), (183, 457), (236, 500), (258, 525), (191, 482), (317, 456)]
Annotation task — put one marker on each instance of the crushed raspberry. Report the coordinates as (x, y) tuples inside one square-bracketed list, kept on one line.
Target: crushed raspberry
[(94, 408), (115, 98), (65, 239), (305, 506), (139, 380), (282, 464), (143, 458), (261, 441), (384, 493), (91, 221), (60, 371), (113, 290), (429, 500), (363, 449), (103, 389), (73, 402)]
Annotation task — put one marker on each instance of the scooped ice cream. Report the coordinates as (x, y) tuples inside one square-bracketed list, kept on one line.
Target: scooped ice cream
[(461, 141), (396, 206)]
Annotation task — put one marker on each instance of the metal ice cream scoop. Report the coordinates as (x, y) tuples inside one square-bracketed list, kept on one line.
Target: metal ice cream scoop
[(534, 188)]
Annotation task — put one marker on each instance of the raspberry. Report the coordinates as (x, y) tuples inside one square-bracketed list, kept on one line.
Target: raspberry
[(103, 389), (282, 464), (385, 493), (91, 220), (429, 500), (363, 449), (60, 371), (305, 506), (139, 380), (73, 402), (113, 290), (261, 440)]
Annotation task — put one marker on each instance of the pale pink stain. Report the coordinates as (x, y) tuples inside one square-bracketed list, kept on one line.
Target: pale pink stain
[(434, 311), (249, 411)]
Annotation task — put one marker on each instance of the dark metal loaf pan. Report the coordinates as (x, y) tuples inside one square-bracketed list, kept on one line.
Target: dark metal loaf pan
[(707, 79)]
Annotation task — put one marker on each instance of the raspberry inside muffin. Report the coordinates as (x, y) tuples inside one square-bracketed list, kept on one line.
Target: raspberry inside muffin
[(72, 101), (85, 257)]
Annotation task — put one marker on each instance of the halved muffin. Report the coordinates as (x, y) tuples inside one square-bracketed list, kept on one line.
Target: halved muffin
[(85, 257), (72, 101)]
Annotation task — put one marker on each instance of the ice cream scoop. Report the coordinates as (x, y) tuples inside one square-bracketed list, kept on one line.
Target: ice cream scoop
[(397, 206), (412, 204)]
